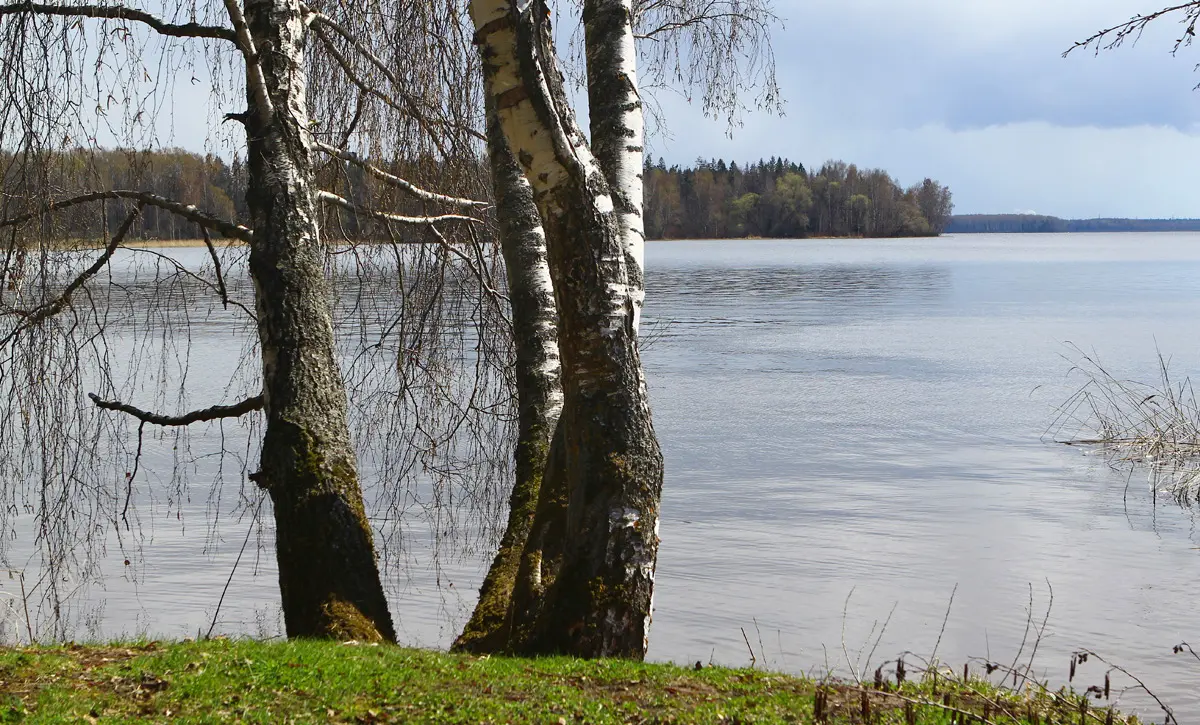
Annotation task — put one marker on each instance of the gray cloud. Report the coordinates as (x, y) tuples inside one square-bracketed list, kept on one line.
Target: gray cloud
[(975, 94)]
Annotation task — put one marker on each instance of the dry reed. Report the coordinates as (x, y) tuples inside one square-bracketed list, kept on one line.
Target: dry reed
[(1135, 424)]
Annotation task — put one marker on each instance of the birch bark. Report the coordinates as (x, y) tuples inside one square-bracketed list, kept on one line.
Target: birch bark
[(618, 127), (597, 601), (538, 385), (328, 574)]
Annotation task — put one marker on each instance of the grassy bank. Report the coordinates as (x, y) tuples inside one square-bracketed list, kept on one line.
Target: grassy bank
[(249, 681)]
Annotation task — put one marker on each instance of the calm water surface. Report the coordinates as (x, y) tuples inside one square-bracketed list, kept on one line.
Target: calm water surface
[(852, 429)]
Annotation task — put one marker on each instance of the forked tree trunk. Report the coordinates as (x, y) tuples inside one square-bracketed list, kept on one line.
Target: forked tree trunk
[(328, 575), (539, 392), (598, 601), (618, 127)]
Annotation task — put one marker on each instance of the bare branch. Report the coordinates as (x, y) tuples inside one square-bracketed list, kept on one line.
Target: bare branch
[(190, 212), (396, 181), (120, 12), (49, 309), (476, 269), (196, 416), (1131, 29), (332, 198), (212, 252), (673, 26)]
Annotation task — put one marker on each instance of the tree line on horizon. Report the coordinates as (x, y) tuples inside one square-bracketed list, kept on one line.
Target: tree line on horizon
[(776, 198), (1043, 224), (218, 187), (779, 198)]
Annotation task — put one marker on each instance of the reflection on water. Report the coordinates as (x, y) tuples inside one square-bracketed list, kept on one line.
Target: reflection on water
[(851, 426)]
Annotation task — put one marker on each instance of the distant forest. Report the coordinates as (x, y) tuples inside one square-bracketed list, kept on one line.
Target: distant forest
[(712, 200), (212, 184), (1036, 223), (779, 198)]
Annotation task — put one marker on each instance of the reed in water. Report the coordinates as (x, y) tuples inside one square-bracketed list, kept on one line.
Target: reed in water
[(1154, 425)]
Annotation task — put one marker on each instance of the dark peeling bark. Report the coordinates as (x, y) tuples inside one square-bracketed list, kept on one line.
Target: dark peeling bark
[(598, 599), (617, 125), (539, 393), (328, 575)]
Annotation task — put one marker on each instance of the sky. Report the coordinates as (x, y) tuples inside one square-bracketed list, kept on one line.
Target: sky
[(975, 94), (972, 93)]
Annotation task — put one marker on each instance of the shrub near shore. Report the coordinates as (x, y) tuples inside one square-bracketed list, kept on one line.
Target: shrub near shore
[(308, 681)]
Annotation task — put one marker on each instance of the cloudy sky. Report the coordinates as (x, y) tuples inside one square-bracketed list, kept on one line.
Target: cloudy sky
[(975, 93)]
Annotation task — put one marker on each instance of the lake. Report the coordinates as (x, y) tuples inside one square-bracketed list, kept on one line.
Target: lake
[(853, 429)]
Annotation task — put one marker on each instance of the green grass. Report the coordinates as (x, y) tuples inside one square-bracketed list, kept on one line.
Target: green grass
[(313, 682)]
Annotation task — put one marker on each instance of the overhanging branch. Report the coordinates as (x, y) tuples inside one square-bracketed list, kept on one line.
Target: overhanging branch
[(190, 212), (330, 197), (196, 416), (119, 12), (396, 181), (1111, 38)]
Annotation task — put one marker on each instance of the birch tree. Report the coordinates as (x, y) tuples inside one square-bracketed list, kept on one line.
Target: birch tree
[(537, 384), (329, 578), (510, 613), (591, 596)]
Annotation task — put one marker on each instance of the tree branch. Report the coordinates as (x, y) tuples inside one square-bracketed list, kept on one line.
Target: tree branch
[(332, 198), (190, 212), (196, 416), (212, 253), (119, 12), (1134, 27), (396, 181)]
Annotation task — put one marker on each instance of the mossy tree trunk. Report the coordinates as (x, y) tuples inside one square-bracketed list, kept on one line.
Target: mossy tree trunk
[(328, 574), (538, 388), (597, 600)]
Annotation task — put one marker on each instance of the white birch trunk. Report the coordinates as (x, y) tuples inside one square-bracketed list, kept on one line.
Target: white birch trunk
[(595, 599), (538, 384), (618, 127)]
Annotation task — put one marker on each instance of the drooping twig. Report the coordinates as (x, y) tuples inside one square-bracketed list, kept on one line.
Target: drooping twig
[(320, 20), (212, 252), (1171, 719), (1185, 647), (196, 416), (407, 107), (221, 600), (137, 462), (32, 317)]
